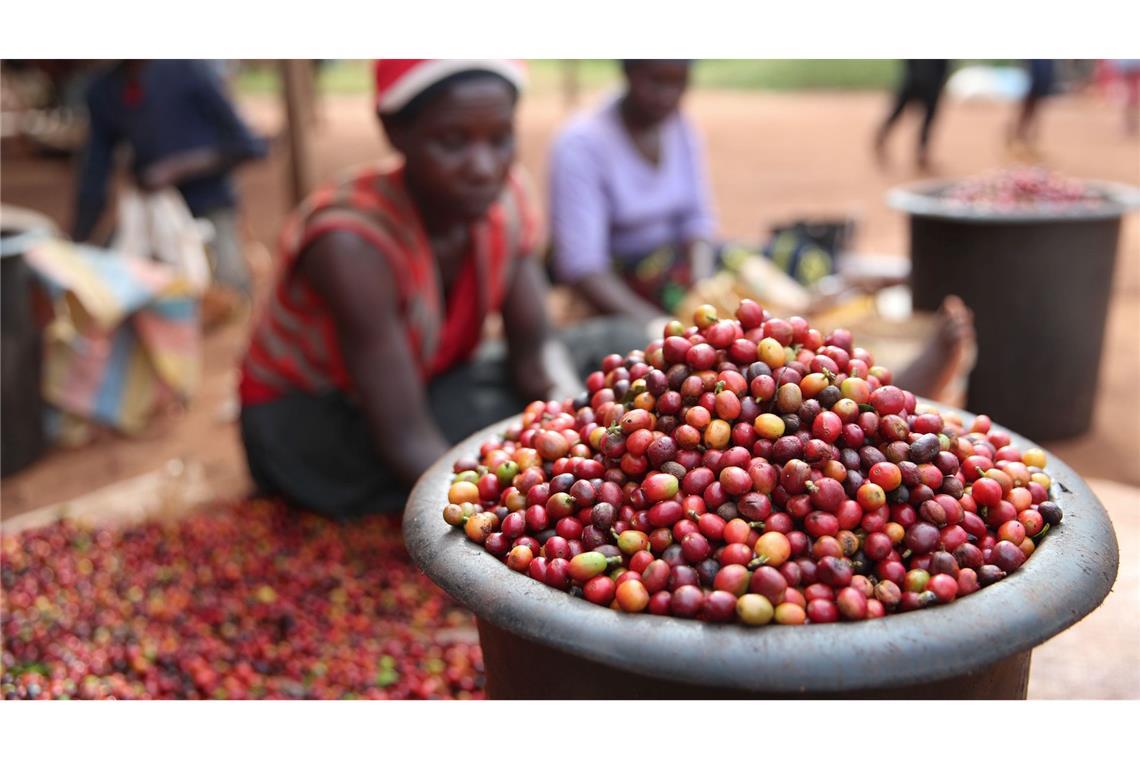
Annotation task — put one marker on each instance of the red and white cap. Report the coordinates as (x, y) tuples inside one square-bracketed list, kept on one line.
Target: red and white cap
[(398, 80)]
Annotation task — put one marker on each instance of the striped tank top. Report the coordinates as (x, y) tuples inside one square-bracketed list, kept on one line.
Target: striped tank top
[(294, 344)]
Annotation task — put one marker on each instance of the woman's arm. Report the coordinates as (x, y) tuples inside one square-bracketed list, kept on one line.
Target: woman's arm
[(606, 292), (702, 259), (182, 167), (699, 225), (355, 282), (580, 237), (540, 366), (237, 142)]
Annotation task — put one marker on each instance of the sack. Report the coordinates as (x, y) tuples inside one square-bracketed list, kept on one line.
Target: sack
[(124, 339), (159, 227), (743, 274), (808, 249)]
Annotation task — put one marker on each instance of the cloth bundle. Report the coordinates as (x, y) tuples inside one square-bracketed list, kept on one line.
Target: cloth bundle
[(124, 338)]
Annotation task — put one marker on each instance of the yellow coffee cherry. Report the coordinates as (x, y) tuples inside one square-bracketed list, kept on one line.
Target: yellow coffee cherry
[(771, 352), (463, 491), (1034, 458)]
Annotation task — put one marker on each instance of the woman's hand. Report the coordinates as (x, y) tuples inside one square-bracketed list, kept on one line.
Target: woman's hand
[(356, 283), (702, 260), (607, 293), (180, 167), (656, 328), (540, 366)]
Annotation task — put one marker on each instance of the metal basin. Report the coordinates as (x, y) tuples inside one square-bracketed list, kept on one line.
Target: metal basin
[(542, 643)]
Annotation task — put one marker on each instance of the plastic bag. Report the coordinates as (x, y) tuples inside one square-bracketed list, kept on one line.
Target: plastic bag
[(158, 226), (124, 338)]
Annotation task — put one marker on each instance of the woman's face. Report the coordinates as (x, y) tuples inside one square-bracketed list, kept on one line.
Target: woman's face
[(654, 88), (460, 147)]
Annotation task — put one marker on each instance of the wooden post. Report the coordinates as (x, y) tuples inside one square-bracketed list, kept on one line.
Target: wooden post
[(296, 77), (570, 84), (312, 97)]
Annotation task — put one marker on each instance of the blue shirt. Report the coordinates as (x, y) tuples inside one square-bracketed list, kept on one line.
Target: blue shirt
[(173, 106)]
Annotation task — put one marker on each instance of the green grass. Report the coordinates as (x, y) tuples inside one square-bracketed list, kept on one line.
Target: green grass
[(350, 77), (354, 76), (546, 75), (256, 78), (810, 74), (771, 74)]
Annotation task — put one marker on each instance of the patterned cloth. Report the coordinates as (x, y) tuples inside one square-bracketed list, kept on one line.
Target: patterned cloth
[(804, 250), (124, 339), (664, 277)]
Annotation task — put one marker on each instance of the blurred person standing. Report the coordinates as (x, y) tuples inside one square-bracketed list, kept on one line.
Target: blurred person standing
[(1023, 133), (1129, 71), (921, 84), (183, 132)]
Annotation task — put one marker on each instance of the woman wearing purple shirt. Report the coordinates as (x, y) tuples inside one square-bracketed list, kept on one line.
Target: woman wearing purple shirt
[(631, 216), (632, 224)]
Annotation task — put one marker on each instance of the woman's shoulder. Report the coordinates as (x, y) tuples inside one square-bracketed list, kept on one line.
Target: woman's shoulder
[(367, 199), (386, 170), (377, 184)]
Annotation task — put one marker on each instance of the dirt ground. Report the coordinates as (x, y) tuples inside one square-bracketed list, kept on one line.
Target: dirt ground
[(773, 157)]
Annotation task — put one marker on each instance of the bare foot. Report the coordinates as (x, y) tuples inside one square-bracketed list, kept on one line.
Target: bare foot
[(946, 356)]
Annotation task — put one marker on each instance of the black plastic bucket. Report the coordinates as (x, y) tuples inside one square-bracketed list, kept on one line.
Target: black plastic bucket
[(22, 438), (1038, 282)]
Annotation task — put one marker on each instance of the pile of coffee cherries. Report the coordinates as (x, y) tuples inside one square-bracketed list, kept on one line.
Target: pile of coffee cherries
[(753, 470), (247, 600), (1020, 188)]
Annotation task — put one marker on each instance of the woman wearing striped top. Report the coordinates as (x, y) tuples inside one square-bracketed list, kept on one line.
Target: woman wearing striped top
[(358, 374)]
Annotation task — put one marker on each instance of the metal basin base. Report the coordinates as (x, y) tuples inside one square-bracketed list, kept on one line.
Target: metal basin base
[(517, 668)]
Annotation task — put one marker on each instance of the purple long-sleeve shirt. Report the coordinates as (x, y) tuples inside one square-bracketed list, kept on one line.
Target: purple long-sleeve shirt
[(608, 201)]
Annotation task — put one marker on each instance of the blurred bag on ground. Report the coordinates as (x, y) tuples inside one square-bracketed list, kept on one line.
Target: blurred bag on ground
[(159, 227), (808, 249), (124, 338)]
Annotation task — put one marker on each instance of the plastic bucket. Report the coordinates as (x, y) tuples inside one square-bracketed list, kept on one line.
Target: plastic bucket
[(1038, 282)]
